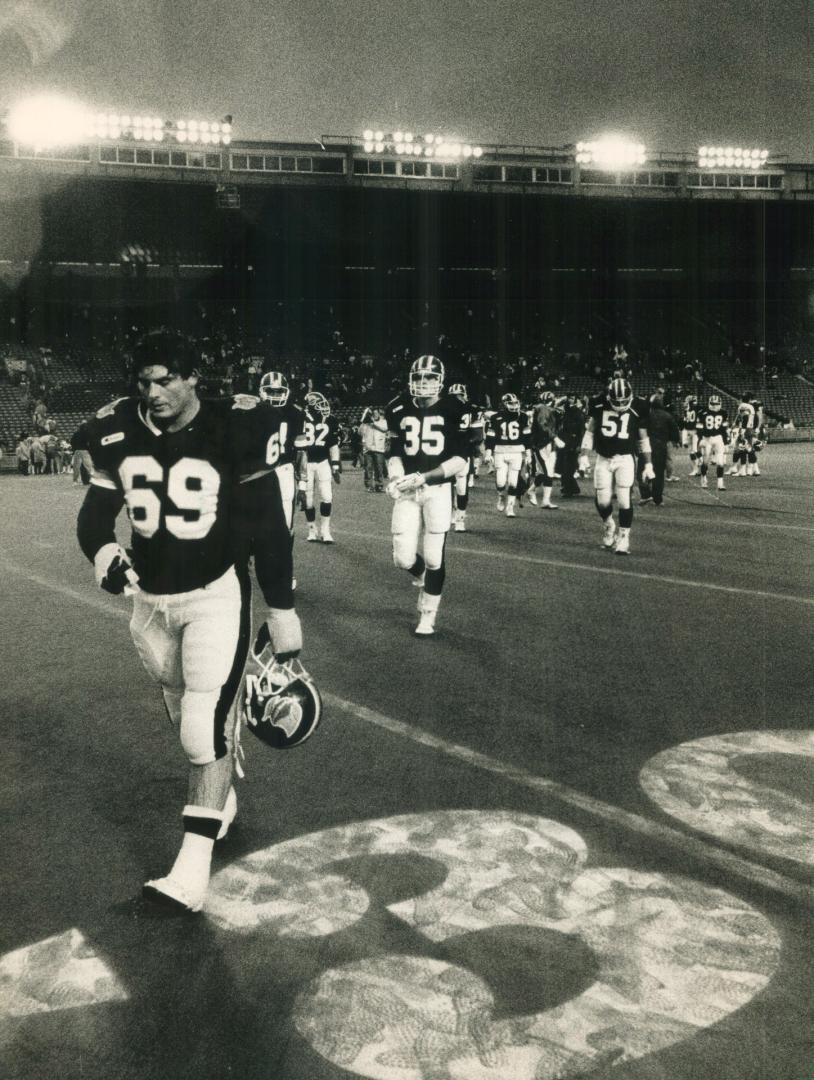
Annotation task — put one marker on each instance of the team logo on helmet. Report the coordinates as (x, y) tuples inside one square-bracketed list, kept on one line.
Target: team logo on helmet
[(547, 397), (714, 404), (458, 390), (426, 377), (282, 705), (274, 388), (620, 394), (510, 402), (318, 403)]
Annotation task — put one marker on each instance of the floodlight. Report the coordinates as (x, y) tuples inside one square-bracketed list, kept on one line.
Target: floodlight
[(379, 146), (367, 135), (428, 150), (477, 151), (48, 120), (182, 124), (181, 136), (467, 150), (398, 136), (206, 137), (408, 136), (159, 136), (399, 147), (193, 125), (227, 138), (227, 127), (429, 139), (611, 152), (204, 125), (379, 137), (368, 146)]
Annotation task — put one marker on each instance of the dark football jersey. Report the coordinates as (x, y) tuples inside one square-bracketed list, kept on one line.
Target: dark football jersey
[(690, 417), (712, 423), (509, 429), (424, 436), (544, 424), (617, 432), (320, 434), (268, 436), (177, 487)]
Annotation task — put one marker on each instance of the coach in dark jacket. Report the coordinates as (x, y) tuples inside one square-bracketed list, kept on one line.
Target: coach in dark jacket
[(662, 429), (572, 428)]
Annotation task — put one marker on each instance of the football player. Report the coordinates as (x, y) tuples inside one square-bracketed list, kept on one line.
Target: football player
[(616, 429), (689, 432), (508, 443), (284, 423), (322, 437), (712, 426), (173, 461), (429, 446), (744, 431), (545, 444), (463, 481)]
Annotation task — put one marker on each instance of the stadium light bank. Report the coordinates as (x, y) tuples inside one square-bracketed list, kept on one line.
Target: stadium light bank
[(46, 121)]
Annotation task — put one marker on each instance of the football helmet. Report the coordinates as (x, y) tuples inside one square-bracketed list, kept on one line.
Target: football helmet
[(714, 403), (426, 377), (274, 388), (547, 397), (620, 394), (318, 403), (282, 705), (459, 391), (510, 402)]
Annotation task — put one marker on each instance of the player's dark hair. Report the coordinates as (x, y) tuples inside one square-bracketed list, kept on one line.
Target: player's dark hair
[(168, 348)]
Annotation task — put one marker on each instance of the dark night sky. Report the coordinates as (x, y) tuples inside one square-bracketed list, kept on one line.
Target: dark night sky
[(673, 73)]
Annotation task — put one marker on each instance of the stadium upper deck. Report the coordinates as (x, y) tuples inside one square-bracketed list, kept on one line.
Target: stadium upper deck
[(343, 161)]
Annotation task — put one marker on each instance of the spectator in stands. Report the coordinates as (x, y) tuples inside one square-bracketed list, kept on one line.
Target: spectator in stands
[(374, 441)]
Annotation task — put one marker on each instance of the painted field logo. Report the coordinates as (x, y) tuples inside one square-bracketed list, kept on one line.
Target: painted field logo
[(626, 963)]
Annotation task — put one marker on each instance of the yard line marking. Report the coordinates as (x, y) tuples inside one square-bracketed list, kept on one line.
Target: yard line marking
[(703, 851), (700, 850), (688, 583)]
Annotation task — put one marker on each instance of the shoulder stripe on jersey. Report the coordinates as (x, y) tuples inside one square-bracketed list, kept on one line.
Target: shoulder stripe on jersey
[(103, 482)]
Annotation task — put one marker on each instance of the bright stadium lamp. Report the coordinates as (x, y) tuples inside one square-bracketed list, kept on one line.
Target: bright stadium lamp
[(612, 153), (48, 120)]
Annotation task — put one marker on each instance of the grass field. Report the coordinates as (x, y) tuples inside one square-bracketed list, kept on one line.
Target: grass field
[(571, 835)]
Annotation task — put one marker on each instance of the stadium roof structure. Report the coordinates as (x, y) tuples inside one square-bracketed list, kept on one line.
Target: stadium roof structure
[(343, 160)]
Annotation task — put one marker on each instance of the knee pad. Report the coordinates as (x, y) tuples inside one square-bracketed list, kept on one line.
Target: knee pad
[(198, 725), (434, 550), (404, 550)]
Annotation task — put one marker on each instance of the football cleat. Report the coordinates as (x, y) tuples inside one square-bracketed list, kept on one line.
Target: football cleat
[(327, 538), (282, 705), (459, 525), (623, 543), (609, 533), (312, 534), (274, 388), (533, 497), (704, 482), (173, 896), (510, 511), (426, 377), (550, 506), (501, 503), (426, 624), (620, 394)]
